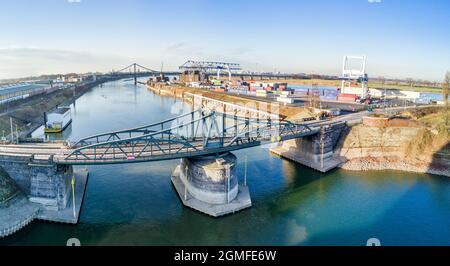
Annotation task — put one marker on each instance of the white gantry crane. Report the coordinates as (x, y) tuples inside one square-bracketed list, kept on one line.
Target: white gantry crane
[(205, 68), (354, 70)]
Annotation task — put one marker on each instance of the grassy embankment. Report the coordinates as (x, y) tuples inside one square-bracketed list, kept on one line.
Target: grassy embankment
[(435, 136), (405, 87), (29, 113), (337, 83), (287, 112), (418, 141)]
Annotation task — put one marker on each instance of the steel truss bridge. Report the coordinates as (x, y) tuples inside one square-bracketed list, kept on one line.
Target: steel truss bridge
[(200, 132), (134, 70)]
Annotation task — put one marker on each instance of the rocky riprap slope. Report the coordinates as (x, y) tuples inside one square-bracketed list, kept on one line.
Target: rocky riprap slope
[(394, 147), (16, 211)]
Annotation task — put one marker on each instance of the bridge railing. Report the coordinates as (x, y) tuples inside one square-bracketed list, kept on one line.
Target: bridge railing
[(214, 104), (137, 131)]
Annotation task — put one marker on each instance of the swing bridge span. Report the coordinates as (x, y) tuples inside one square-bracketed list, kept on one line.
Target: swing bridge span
[(197, 133), (203, 131)]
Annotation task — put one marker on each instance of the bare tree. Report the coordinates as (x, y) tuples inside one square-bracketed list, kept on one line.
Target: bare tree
[(445, 92), (410, 82)]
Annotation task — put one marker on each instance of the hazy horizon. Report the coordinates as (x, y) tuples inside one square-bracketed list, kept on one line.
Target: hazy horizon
[(401, 39)]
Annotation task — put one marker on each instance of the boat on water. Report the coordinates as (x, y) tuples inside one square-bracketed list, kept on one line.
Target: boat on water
[(58, 120)]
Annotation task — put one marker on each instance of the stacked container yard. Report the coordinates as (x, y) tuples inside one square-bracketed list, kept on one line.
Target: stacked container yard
[(325, 93), (285, 97), (262, 93), (299, 91), (256, 88), (328, 94), (281, 86), (241, 92)]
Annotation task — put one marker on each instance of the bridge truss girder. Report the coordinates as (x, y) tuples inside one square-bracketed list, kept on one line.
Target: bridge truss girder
[(200, 132), (135, 70)]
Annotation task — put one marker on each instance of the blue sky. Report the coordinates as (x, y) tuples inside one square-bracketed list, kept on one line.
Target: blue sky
[(399, 38)]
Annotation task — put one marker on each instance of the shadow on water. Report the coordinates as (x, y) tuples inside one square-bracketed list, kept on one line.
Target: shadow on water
[(441, 159), (417, 216)]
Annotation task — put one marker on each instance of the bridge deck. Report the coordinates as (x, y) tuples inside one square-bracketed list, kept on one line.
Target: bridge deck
[(36, 150), (132, 153), (201, 132)]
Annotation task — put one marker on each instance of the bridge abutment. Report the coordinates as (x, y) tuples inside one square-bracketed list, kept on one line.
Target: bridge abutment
[(209, 184), (41, 180), (47, 185), (315, 151)]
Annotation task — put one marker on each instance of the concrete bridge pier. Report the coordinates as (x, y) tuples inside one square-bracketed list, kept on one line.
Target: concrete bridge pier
[(209, 184)]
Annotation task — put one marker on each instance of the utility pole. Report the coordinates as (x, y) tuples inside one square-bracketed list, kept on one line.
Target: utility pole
[(185, 185), (12, 131), (385, 93), (73, 196), (17, 135), (322, 147), (228, 174), (245, 170)]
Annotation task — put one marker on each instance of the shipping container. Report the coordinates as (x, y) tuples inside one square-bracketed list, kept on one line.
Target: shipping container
[(348, 95), (346, 99), (331, 98), (285, 100), (255, 88)]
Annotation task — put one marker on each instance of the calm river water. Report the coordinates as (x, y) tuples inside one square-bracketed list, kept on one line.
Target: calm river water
[(135, 204)]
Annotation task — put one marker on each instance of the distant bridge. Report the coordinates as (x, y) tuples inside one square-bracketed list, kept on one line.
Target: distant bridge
[(136, 70)]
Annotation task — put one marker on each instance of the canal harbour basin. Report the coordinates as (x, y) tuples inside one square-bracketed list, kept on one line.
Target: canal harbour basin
[(136, 204)]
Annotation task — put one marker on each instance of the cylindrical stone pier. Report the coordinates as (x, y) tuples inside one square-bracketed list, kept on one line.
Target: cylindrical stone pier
[(209, 184), (211, 179)]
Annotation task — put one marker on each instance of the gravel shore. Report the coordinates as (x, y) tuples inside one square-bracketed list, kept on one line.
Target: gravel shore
[(372, 163)]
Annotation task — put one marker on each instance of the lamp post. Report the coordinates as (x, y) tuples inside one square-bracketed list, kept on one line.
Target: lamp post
[(385, 93)]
